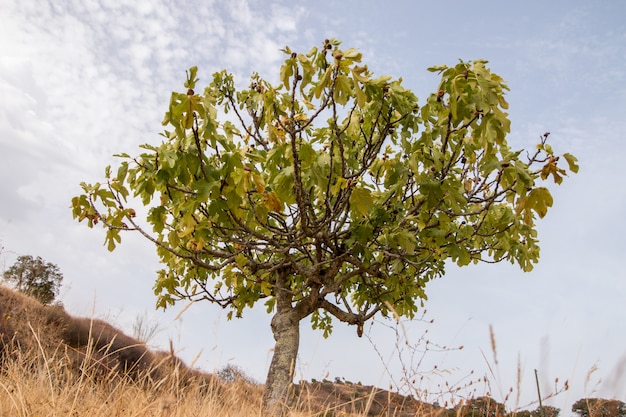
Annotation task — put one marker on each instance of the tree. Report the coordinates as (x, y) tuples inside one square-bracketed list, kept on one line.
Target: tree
[(541, 411), (479, 407), (330, 195), (599, 407), (35, 277), (546, 411)]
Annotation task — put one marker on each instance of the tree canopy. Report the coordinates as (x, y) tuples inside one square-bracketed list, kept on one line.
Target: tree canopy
[(331, 194), (35, 277), (599, 407)]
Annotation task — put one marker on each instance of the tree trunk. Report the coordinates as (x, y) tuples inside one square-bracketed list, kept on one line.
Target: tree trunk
[(286, 330)]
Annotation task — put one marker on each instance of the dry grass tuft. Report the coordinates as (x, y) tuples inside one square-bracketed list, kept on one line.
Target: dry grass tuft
[(42, 385), (46, 386), (52, 364), (57, 365)]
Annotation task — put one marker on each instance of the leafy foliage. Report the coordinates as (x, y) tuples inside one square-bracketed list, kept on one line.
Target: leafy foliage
[(488, 407), (599, 407), (541, 411), (478, 407), (337, 177), (35, 277)]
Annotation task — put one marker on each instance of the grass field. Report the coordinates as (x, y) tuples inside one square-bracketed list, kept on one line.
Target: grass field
[(53, 364)]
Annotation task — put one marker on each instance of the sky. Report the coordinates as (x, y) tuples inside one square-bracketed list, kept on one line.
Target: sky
[(83, 80)]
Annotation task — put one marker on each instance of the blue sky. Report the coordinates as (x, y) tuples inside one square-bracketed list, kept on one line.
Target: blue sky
[(82, 80)]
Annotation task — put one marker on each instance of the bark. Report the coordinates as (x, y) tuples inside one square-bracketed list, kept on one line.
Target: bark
[(286, 330)]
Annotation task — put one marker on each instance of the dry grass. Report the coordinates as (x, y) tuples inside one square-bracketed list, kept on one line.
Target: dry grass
[(35, 384), (52, 364), (38, 385)]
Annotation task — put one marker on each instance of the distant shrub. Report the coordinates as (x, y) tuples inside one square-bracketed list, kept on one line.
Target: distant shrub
[(478, 407), (546, 411), (35, 277), (598, 407), (232, 373)]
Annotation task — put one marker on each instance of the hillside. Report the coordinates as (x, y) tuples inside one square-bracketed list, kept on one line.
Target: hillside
[(54, 364), (29, 327), (76, 348)]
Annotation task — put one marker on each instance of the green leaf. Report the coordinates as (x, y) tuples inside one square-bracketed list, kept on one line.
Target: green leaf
[(121, 172), (342, 89), (112, 238), (286, 71), (361, 98), (405, 241), (323, 83), (241, 260), (156, 216), (191, 78), (361, 198), (437, 68), (571, 161)]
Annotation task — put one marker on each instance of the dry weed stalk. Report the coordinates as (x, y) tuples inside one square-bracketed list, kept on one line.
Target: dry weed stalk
[(423, 383), (426, 384)]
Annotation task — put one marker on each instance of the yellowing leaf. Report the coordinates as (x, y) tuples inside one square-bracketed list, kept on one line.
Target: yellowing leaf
[(541, 199), (468, 184), (286, 71), (551, 168), (339, 184), (186, 231), (272, 202), (503, 103), (301, 117), (191, 244), (357, 73), (538, 200), (258, 183), (307, 103), (352, 54)]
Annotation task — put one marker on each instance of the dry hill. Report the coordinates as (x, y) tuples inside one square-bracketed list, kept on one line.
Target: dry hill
[(83, 345)]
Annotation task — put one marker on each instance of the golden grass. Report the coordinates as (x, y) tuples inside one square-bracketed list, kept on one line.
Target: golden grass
[(43, 383), (35, 384), (32, 385), (54, 365)]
